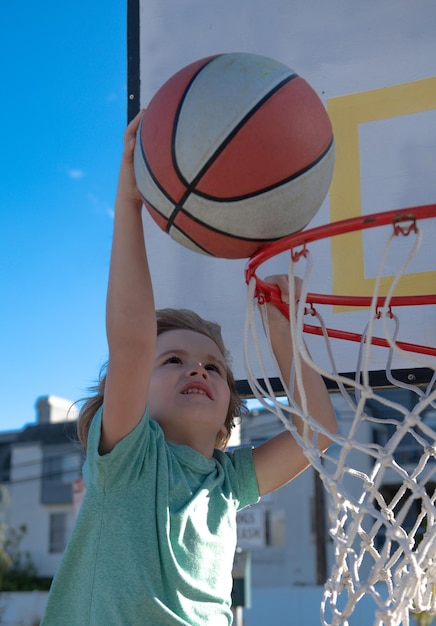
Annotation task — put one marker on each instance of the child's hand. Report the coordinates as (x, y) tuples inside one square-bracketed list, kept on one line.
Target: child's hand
[(282, 283), (127, 188)]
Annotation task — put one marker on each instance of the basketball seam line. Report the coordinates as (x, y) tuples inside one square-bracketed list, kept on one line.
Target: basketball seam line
[(180, 208), (173, 134), (154, 179), (215, 229), (147, 163), (279, 183), (190, 186)]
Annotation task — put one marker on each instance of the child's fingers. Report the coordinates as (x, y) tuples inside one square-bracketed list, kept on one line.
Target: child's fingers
[(127, 186), (282, 282), (136, 121), (132, 129)]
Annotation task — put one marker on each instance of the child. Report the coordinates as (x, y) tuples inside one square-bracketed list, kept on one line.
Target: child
[(155, 539)]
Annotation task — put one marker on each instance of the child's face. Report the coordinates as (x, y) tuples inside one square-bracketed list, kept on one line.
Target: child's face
[(189, 393)]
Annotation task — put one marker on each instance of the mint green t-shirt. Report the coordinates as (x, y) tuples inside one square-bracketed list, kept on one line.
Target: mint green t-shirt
[(155, 538)]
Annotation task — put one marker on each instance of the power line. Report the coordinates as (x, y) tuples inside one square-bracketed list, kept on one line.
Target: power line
[(46, 457), (76, 472)]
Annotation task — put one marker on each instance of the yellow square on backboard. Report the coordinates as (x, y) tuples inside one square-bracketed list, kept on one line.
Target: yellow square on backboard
[(347, 251)]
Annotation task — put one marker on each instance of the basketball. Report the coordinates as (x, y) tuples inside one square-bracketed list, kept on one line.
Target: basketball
[(234, 151)]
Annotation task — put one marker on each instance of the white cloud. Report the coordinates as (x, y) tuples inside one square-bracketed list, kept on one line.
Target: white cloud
[(100, 206), (75, 173)]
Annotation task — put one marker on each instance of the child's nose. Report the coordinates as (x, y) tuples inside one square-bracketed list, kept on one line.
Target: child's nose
[(198, 369)]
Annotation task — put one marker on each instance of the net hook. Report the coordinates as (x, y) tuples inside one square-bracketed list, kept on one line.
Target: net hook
[(309, 309), (401, 227), (380, 312), (297, 254)]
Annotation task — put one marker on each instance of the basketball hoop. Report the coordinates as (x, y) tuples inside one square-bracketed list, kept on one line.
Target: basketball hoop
[(382, 509), (404, 222)]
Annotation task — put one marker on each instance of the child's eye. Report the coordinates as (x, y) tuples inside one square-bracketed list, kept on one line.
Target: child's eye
[(214, 367), (173, 359)]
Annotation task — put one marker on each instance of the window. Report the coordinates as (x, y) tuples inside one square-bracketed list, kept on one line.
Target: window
[(60, 468), (58, 532)]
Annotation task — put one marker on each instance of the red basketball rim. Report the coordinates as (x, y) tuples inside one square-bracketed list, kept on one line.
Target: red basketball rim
[(403, 221)]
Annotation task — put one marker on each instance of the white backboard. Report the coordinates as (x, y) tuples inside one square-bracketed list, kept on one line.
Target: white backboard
[(374, 66)]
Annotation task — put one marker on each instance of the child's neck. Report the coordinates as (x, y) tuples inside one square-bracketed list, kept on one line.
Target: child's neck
[(205, 445)]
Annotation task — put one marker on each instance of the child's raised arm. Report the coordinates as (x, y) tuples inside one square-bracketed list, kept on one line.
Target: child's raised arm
[(130, 314), (281, 459)]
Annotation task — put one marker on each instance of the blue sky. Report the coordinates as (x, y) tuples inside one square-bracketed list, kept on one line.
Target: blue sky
[(63, 112)]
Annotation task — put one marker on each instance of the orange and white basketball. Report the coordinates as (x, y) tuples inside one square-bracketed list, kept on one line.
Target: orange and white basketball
[(234, 151)]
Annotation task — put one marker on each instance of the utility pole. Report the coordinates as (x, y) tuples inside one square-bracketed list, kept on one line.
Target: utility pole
[(319, 529)]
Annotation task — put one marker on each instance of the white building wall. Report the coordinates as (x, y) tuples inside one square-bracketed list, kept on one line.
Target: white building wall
[(25, 486), (293, 559), (25, 495), (289, 556)]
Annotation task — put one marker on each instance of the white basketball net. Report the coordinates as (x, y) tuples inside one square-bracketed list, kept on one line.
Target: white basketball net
[(384, 547)]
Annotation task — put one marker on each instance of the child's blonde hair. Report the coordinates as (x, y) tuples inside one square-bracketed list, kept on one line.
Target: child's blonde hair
[(173, 319)]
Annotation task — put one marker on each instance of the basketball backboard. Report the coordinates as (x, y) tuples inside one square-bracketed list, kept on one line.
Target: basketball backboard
[(374, 67)]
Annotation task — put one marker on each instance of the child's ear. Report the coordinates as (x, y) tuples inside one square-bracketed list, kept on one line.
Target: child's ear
[(223, 431), (222, 438)]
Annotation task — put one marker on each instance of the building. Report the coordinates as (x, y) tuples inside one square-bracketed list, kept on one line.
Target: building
[(38, 466), (284, 538), (287, 533)]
